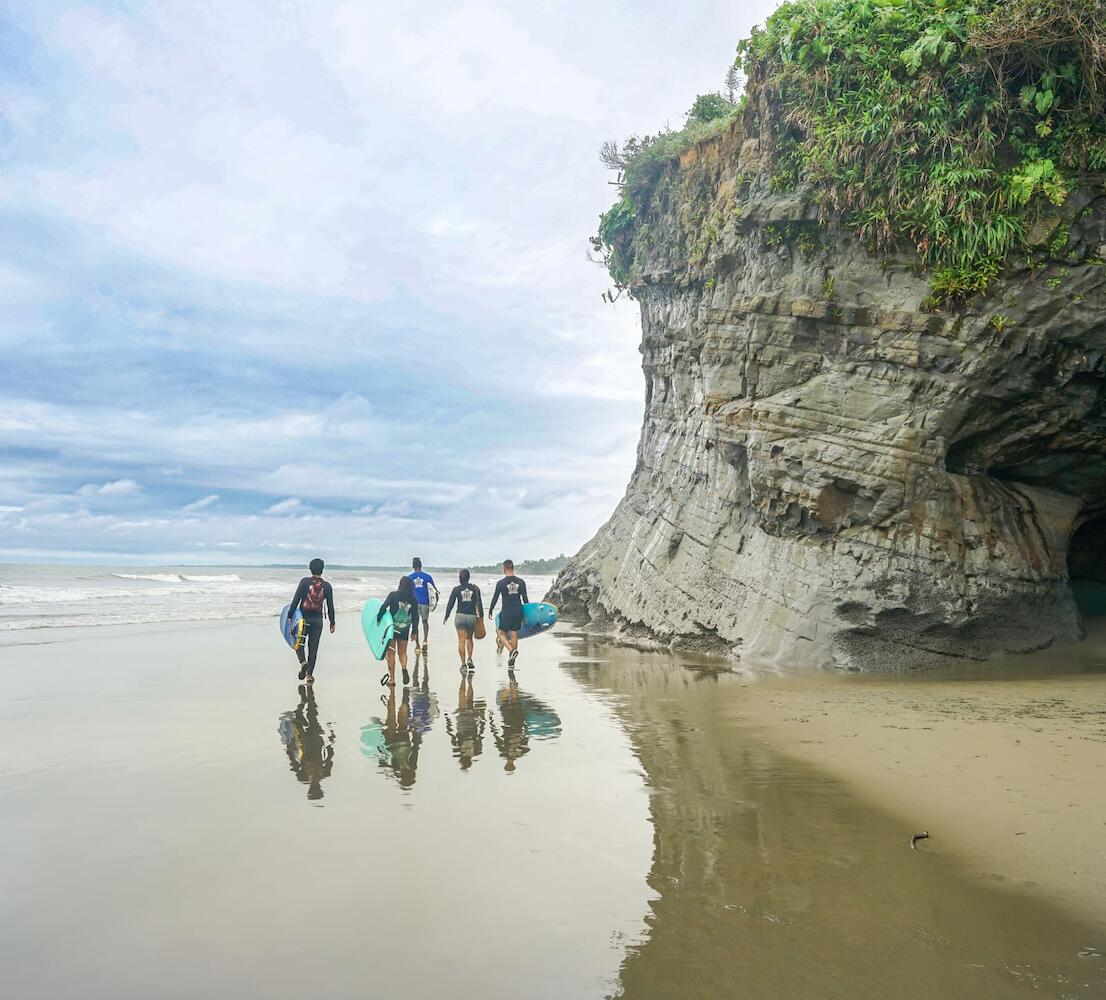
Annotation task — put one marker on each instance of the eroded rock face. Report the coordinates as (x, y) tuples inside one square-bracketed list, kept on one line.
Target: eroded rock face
[(828, 472)]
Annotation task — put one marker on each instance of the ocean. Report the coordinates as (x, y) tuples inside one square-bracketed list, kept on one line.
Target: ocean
[(37, 597)]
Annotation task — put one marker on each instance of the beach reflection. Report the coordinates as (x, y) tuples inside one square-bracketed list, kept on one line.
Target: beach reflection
[(522, 718), (309, 745), (392, 741), (396, 741), (466, 726)]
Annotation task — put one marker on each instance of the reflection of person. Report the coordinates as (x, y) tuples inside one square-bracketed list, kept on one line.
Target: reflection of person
[(310, 748), (470, 606), (513, 591), (424, 583), (402, 605), (395, 741), (511, 742), (424, 703), (525, 718), (403, 754), (312, 594), (466, 731)]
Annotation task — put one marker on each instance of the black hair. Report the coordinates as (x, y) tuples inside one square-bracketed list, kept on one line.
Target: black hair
[(406, 589), (416, 563), (464, 576), (316, 566), (507, 564)]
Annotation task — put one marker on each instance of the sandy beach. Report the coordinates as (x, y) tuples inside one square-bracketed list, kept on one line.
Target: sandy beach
[(1004, 763), (613, 822)]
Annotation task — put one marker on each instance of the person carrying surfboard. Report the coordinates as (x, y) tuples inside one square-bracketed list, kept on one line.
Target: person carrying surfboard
[(424, 583), (403, 606), (470, 609), (513, 591), (312, 594)]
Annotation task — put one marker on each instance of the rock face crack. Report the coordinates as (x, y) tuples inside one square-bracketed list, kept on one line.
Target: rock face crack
[(849, 480)]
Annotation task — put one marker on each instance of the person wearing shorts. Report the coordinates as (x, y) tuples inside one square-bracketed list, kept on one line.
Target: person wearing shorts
[(402, 605), (513, 591), (466, 597), (424, 584)]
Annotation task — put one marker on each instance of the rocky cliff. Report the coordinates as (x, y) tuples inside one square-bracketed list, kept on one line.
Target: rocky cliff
[(830, 471)]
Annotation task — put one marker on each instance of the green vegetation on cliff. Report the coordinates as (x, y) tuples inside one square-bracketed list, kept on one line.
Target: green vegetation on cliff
[(946, 126), (642, 160)]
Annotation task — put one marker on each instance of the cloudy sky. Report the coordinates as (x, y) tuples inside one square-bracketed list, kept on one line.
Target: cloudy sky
[(281, 278)]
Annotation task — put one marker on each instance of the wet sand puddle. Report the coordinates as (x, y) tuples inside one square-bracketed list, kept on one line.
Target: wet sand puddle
[(182, 818)]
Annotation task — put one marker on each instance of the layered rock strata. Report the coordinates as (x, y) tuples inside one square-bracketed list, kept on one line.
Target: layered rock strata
[(832, 474)]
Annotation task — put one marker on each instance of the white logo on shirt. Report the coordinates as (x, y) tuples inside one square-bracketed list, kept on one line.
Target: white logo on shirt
[(512, 589), (466, 596)]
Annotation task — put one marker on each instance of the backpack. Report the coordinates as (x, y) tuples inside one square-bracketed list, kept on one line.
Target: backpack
[(401, 617), (316, 594)]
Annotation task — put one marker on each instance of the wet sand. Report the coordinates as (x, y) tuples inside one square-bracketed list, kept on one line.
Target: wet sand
[(1004, 763), (183, 818)]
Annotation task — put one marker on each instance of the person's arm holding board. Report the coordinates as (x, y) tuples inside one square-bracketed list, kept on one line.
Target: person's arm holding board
[(299, 595), (389, 604)]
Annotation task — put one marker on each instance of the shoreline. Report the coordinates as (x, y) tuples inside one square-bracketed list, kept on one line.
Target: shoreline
[(1003, 763)]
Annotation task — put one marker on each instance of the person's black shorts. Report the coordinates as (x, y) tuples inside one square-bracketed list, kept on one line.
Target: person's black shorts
[(510, 621), (402, 634)]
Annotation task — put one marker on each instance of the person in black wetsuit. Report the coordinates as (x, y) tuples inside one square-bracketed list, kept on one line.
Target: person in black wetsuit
[(312, 594), (404, 608), (470, 607), (513, 591)]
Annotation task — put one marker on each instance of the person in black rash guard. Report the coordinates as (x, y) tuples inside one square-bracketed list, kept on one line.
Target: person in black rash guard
[(470, 607), (404, 608), (312, 594), (513, 591)]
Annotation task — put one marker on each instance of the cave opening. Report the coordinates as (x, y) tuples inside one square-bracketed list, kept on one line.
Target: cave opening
[(1087, 566)]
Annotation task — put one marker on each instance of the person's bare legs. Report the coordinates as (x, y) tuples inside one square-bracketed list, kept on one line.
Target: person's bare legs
[(391, 655), (461, 643), (401, 649), (468, 644)]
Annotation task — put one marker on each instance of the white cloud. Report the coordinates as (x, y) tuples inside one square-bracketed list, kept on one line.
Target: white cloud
[(116, 488), (202, 504), (292, 505)]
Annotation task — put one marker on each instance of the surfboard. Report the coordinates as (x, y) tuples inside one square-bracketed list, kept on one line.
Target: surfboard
[(537, 617), (377, 633), (292, 631)]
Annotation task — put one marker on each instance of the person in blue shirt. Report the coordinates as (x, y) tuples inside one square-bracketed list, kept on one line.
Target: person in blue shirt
[(424, 584)]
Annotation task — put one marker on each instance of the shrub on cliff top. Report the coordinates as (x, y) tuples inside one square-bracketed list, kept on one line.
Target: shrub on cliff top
[(640, 162), (946, 126)]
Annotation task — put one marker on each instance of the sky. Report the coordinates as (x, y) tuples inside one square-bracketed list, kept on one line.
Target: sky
[(280, 279)]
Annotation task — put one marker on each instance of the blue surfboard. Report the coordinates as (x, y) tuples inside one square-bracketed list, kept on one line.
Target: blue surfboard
[(291, 630), (537, 617), (377, 633)]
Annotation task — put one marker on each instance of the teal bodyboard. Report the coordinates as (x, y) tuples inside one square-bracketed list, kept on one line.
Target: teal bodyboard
[(377, 633), (537, 617), (291, 630)]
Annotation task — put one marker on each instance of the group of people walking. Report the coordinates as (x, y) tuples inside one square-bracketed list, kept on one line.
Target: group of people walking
[(410, 605)]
